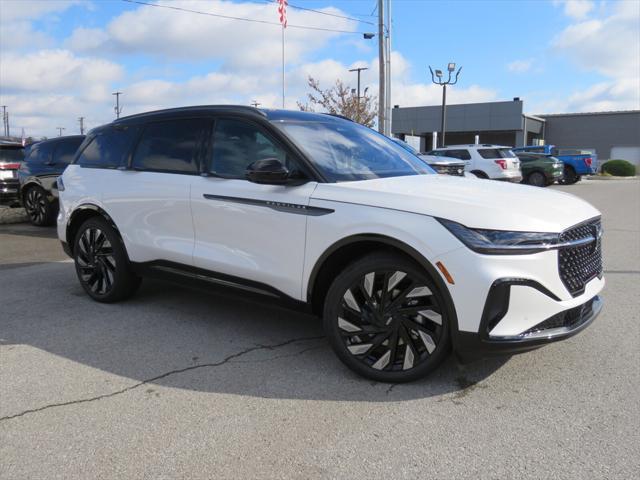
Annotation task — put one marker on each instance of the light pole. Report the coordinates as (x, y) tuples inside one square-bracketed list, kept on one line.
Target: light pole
[(360, 69), (438, 73), (117, 108), (60, 129)]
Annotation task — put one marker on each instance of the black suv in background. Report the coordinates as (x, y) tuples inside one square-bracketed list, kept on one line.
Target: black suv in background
[(43, 164), (11, 154)]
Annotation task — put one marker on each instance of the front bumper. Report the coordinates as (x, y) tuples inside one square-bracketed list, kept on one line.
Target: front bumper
[(472, 346)]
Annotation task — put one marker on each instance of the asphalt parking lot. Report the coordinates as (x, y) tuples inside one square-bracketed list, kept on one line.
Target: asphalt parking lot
[(178, 383)]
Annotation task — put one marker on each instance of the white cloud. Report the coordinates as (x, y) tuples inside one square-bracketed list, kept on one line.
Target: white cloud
[(520, 66), (173, 34), (576, 9), (13, 10), (609, 46)]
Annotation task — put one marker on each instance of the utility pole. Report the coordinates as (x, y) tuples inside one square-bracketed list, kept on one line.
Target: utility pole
[(81, 120), (255, 104), (60, 129), (4, 119), (387, 93), (360, 69), (381, 64), (117, 108)]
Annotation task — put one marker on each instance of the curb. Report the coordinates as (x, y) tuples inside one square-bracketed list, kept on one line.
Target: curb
[(610, 177)]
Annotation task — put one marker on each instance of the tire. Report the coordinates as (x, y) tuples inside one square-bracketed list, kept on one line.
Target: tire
[(402, 312), (40, 210), (480, 174), (537, 179), (102, 264), (570, 176)]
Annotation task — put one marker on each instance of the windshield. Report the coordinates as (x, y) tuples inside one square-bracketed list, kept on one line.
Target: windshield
[(346, 151), (11, 154)]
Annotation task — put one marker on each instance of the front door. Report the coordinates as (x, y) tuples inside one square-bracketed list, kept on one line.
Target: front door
[(244, 229)]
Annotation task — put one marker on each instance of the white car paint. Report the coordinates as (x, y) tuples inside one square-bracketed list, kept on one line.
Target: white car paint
[(281, 249)]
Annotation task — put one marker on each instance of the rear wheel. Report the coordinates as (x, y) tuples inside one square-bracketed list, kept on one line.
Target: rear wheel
[(101, 262), (386, 320), (570, 176), (537, 179), (40, 210)]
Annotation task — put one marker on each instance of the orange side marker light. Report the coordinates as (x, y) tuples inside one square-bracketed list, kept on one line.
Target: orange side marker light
[(445, 273)]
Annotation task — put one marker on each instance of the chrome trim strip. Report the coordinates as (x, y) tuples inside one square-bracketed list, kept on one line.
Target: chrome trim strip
[(294, 208)]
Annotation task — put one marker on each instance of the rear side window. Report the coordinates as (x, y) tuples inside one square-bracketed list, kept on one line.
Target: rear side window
[(65, 151), (490, 153), (109, 148), (171, 146), (460, 154)]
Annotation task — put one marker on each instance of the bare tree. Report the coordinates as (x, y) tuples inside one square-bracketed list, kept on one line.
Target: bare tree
[(341, 100)]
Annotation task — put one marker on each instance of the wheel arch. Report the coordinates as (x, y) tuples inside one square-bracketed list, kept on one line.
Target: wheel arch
[(80, 215), (334, 258)]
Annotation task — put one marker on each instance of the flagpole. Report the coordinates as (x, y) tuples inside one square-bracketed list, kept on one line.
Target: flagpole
[(282, 66)]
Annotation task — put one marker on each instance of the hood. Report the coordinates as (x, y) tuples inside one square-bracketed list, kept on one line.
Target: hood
[(475, 203)]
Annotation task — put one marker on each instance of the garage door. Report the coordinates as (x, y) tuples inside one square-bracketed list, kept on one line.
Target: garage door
[(630, 154)]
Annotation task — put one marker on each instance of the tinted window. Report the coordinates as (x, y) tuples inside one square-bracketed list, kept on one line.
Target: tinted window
[(66, 150), (237, 144), (459, 154), (40, 153), (11, 154), (171, 146), (109, 148), (345, 151), (490, 153)]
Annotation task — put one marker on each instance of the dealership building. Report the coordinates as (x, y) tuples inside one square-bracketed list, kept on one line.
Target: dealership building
[(609, 134)]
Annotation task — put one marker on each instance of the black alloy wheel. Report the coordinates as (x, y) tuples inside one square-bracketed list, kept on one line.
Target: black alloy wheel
[(480, 174), (537, 179), (38, 207), (387, 320), (101, 262)]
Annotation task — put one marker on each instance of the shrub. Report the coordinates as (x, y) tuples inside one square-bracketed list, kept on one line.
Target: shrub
[(619, 168)]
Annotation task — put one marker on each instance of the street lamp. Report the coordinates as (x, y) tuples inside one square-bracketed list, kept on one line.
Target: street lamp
[(451, 67), (360, 69)]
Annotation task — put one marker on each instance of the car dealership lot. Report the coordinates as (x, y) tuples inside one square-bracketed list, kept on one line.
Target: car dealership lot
[(180, 383)]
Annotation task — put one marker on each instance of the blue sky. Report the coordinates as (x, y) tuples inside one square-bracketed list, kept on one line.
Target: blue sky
[(62, 59)]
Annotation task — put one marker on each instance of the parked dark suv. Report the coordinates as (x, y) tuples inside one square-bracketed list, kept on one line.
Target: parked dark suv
[(44, 163), (11, 154)]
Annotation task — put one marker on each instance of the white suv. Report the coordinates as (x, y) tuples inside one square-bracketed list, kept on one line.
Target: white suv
[(402, 265), (496, 162)]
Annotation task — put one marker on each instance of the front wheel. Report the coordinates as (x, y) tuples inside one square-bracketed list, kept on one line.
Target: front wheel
[(537, 179), (386, 320), (101, 262)]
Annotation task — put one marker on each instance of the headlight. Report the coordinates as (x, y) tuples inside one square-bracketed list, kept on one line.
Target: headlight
[(501, 242)]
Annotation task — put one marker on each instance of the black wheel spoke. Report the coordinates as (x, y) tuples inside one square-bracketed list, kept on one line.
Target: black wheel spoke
[(390, 321), (95, 261)]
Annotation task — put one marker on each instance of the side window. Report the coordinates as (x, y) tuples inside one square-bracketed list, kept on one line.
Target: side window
[(459, 154), (237, 144), (109, 148), (65, 151), (489, 153), (171, 146), (40, 154)]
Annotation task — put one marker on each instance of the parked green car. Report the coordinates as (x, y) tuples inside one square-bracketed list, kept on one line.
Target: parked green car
[(540, 170)]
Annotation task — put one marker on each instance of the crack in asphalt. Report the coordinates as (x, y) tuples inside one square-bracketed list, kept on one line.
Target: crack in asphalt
[(165, 375)]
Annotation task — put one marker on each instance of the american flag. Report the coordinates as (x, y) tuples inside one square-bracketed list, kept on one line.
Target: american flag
[(282, 10)]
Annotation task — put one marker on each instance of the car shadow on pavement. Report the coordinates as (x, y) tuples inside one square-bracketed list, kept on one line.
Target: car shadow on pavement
[(28, 230), (180, 338)]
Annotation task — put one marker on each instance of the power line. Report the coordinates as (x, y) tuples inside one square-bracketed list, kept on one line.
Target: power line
[(266, 22), (296, 7)]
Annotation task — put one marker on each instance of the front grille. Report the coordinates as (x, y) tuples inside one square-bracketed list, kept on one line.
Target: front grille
[(569, 318), (579, 265)]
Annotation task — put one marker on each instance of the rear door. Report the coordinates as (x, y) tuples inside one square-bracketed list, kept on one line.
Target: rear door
[(149, 200), (243, 229)]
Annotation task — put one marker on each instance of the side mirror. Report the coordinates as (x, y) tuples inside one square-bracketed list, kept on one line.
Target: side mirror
[(268, 171)]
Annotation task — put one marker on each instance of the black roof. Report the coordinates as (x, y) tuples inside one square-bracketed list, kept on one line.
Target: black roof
[(56, 139), (242, 109)]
